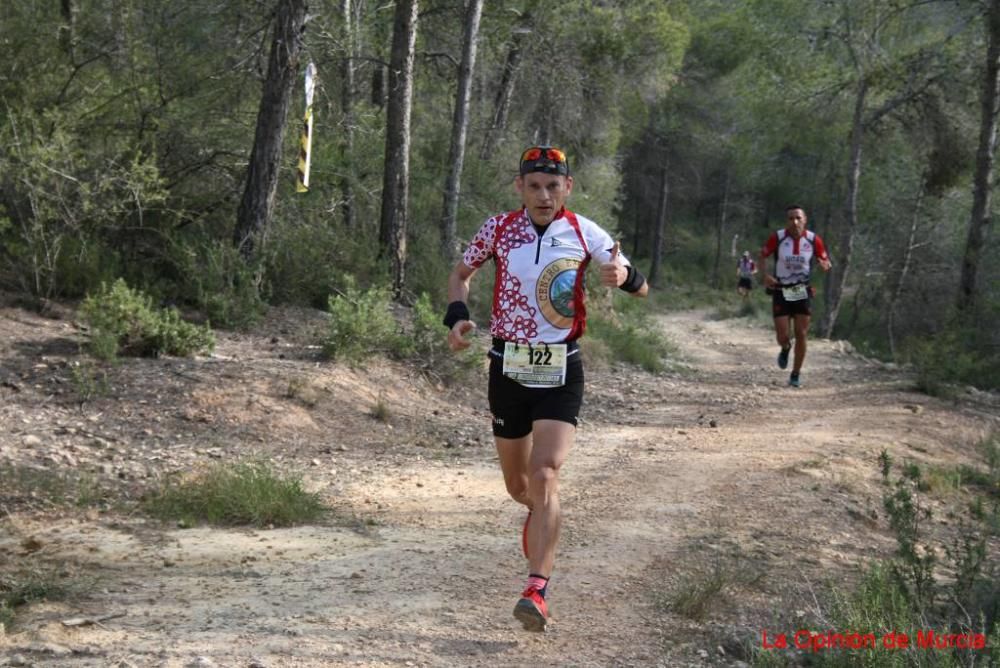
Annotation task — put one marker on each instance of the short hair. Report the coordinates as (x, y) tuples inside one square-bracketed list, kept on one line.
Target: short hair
[(791, 207)]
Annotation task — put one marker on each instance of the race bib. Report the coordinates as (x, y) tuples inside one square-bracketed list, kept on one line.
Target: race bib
[(535, 366), (795, 293)]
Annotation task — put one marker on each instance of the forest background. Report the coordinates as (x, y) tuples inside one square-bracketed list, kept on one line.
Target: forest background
[(158, 142)]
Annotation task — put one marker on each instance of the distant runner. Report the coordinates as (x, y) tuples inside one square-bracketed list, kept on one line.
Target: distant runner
[(791, 294), (745, 269), (541, 252)]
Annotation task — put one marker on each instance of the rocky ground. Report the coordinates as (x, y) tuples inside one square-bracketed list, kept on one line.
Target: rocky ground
[(716, 467)]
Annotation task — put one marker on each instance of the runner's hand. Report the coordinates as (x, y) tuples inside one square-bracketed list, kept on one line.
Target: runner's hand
[(456, 340), (614, 272)]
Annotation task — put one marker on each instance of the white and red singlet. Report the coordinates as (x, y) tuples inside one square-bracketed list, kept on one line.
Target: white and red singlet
[(538, 296), (794, 256)]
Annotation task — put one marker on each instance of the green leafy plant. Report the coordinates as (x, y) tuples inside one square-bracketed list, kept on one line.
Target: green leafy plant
[(631, 339), (361, 322), (217, 279), (124, 322), (942, 361)]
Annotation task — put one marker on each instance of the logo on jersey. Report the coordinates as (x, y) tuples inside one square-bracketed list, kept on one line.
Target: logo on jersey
[(554, 292)]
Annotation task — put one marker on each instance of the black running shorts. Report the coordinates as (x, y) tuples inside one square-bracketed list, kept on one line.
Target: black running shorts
[(515, 407), (745, 283), (780, 307)]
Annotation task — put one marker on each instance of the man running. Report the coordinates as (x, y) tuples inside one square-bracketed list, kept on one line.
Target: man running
[(541, 252), (791, 294), (745, 269)]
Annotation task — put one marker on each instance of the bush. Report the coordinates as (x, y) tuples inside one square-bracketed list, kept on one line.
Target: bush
[(427, 343), (215, 277), (123, 322), (917, 592), (361, 322), (25, 586), (942, 361), (245, 493), (632, 339)]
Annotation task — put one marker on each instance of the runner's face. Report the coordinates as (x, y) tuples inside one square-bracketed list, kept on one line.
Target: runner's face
[(796, 222), (543, 194)]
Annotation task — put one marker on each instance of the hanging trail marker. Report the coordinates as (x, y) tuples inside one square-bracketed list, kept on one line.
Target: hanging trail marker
[(305, 141)]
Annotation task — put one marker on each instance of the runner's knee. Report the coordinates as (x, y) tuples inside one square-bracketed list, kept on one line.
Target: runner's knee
[(544, 480), (517, 487)]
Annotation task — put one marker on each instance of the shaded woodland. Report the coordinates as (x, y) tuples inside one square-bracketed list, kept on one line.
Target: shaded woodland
[(158, 142)]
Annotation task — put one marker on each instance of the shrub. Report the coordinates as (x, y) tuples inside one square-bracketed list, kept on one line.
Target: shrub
[(244, 493), (360, 322), (941, 361), (216, 278), (632, 339), (123, 321), (21, 587), (427, 343)]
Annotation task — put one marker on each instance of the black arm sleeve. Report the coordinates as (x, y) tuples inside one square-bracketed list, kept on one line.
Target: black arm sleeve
[(634, 280), (456, 311)]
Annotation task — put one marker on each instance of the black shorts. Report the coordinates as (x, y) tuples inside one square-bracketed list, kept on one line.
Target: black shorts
[(515, 407), (745, 283), (781, 308)]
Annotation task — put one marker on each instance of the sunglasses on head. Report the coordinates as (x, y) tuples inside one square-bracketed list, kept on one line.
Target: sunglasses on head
[(544, 159)]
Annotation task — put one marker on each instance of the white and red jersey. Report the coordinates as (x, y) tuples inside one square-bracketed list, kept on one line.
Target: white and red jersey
[(538, 294), (746, 267), (794, 256)]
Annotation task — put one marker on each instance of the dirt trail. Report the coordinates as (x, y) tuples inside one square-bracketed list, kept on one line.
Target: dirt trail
[(670, 474)]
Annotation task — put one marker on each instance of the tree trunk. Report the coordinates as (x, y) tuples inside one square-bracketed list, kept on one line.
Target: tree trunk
[(505, 92), (459, 128), (257, 204), (901, 281), (843, 262), (980, 219), (720, 226), (661, 225), (347, 112), (396, 182), (67, 31)]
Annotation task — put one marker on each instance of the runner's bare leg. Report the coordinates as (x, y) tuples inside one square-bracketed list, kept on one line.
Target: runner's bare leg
[(781, 330), (552, 442), (514, 454), (801, 328)]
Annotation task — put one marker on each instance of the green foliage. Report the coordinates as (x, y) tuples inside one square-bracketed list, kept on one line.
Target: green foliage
[(65, 201), (124, 322), (24, 586), (631, 338), (244, 493), (942, 361), (215, 277), (909, 593), (89, 380), (361, 323)]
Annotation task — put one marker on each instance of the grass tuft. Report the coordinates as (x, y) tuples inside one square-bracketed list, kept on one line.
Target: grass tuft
[(25, 586), (244, 493)]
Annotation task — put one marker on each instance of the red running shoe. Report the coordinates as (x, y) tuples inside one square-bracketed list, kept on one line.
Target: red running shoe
[(524, 536), (531, 611)]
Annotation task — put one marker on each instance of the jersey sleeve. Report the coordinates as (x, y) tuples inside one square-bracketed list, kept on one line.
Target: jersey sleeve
[(480, 248), (820, 248), (770, 245), (600, 243)]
